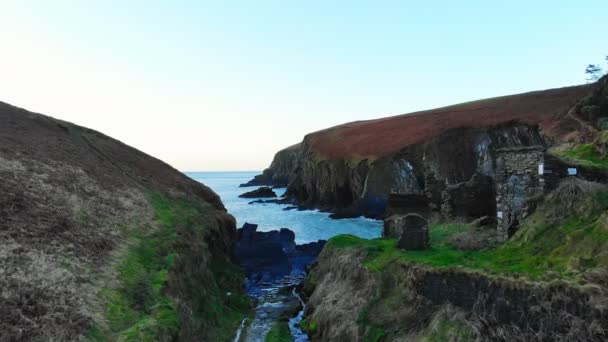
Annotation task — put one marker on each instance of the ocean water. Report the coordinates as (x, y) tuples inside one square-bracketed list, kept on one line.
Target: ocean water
[(308, 225)]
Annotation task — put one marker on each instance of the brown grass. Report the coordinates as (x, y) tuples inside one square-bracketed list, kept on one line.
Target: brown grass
[(376, 138), (67, 196)]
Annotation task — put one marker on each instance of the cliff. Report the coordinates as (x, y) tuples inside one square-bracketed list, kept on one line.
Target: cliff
[(548, 283), (352, 169), (282, 170), (103, 242)]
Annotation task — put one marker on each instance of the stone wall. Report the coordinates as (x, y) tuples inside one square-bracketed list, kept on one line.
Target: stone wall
[(518, 183), (472, 199)]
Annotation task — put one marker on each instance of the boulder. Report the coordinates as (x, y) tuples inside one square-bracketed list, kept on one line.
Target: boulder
[(413, 231), (268, 256), (263, 179), (263, 253), (260, 192)]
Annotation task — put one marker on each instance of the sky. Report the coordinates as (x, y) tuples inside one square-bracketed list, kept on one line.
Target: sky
[(223, 85)]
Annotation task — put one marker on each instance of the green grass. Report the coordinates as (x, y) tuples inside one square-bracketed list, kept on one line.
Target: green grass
[(371, 332), (308, 327), (576, 244), (139, 309), (279, 333), (141, 306), (585, 155)]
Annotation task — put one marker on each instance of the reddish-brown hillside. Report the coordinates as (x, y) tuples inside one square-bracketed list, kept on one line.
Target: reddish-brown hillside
[(376, 138)]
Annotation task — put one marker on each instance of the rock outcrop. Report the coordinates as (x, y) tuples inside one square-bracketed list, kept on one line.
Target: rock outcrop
[(282, 170), (263, 192), (268, 256), (100, 239), (450, 161), (358, 165)]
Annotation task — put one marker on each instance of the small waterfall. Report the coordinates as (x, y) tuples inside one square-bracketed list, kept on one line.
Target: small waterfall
[(297, 334), (237, 338)]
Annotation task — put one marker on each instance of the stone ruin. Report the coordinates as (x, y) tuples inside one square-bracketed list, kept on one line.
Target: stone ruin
[(411, 230), (519, 184), (509, 192), (472, 199)]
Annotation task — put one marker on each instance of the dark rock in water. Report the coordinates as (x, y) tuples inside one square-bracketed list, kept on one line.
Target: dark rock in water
[(264, 179), (263, 253), (282, 170), (268, 256), (412, 230), (291, 207), (261, 201), (343, 213), (261, 192)]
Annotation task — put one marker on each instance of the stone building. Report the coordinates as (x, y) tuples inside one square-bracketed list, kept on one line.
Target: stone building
[(519, 184)]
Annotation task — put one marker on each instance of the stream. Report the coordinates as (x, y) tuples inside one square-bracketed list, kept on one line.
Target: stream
[(276, 298)]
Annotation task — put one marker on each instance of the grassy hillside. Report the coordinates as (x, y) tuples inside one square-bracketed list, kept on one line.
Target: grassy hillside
[(566, 237), (549, 282), (103, 242)]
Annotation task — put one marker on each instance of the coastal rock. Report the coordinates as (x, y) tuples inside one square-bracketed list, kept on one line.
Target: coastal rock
[(260, 192), (264, 179), (425, 153), (281, 171), (268, 256)]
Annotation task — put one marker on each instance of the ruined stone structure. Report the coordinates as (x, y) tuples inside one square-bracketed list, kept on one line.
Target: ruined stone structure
[(399, 204), (472, 199), (519, 183), (415, 233)]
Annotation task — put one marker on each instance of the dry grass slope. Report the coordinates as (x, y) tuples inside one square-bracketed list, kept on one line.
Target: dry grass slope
[(72, 203), (375, 138)]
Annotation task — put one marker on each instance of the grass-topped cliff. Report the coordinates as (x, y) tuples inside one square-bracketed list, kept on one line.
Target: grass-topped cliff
[(565, 239), (373, 139), (352, 168), (103, 242), (549, 281)]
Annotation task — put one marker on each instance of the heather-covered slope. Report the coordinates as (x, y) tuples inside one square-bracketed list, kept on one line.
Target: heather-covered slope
[(373, 139), (101, 241)]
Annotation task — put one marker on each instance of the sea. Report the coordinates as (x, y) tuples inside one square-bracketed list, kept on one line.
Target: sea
[(308, 225)]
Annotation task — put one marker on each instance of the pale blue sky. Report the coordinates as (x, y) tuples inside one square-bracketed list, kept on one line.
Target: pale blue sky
[(222, 85)]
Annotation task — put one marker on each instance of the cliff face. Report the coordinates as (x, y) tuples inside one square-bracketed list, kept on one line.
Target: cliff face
[(102, 241), (351, 169), (284, 165), (282, 170), (409, 302)]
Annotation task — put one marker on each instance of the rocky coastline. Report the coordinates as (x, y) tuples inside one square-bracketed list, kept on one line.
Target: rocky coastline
[(275, 267)]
